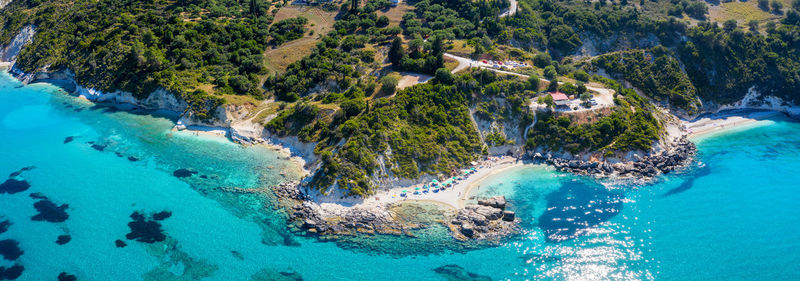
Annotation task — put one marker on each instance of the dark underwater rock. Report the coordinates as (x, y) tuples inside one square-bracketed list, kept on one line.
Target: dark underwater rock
[(50, 212), (4, 226), (11, 273), (24, 169), (37, 195), (183, 173), (162, 215), (99, 147), (10, 250), (454, 272), (12, 186), (119, 154), (120, 243), (132, 159), (63, 239), (145, 230), (68, 139), (63, 276), (291, 275)]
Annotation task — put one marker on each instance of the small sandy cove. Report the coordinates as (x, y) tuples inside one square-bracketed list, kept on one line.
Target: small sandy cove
[(725, 121), (451, 197)]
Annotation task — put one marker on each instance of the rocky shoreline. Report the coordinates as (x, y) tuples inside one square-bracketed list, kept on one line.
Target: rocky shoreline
[(308, 217), (489, 220), (641, 169)]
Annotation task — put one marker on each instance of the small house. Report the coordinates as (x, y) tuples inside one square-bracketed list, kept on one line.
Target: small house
[(559, 98)]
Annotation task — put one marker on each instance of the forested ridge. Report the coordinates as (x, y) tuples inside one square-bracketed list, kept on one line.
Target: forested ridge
[(343, 94)]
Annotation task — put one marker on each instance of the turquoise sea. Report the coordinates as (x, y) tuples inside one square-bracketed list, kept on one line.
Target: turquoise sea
[(84, 176)]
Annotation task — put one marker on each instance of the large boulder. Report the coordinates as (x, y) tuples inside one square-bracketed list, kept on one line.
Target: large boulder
[(467, 230), (508, 215), (490, 213), (495, 202), (499, 202), (309, 224)]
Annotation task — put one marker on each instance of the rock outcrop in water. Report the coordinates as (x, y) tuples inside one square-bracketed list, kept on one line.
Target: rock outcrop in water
[(486, 220), (311, 218)]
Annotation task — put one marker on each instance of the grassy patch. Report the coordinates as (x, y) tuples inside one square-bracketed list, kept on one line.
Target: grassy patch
[(319, 22), (742, 12)]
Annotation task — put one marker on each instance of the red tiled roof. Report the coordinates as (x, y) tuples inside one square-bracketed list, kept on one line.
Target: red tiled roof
[(558, 96)]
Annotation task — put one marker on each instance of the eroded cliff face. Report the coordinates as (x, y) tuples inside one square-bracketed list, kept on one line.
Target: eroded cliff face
[(3, 3), (755, 100), (9, 52), (160, 99)]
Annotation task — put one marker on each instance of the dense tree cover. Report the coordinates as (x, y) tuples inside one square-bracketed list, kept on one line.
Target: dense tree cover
[(423, 57), (724, 65), (452, 18), (656, 73), (325, 64), (139, 46), (335, 62), (422, 129), (288, 29), (631, 126)]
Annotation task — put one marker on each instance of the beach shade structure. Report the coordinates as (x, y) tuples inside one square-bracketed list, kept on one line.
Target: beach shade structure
[(466, 172), (472, 169), (416, 188), (404, 191)]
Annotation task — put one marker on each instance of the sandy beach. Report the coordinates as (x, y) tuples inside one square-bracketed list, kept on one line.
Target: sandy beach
[(452, 197), (725, 121)]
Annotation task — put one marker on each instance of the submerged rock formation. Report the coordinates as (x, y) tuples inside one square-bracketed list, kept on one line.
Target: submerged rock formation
[(10, 250), (144, 230), (49, 211)]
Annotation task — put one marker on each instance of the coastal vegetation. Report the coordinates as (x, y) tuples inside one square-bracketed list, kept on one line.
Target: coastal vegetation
[(343, 94), (630, 126)]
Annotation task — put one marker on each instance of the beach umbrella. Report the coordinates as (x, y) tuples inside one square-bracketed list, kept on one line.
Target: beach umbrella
[(435, 180), (404, 191), (416, 188), (472, 169)]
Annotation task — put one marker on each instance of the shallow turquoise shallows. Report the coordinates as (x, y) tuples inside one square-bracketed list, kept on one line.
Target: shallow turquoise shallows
[(733, 215)]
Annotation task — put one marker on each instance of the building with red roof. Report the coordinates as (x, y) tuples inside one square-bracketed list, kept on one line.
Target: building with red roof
[(559, 98)]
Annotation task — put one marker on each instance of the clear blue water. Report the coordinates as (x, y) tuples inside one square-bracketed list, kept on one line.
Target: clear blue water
[(732, 218)]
